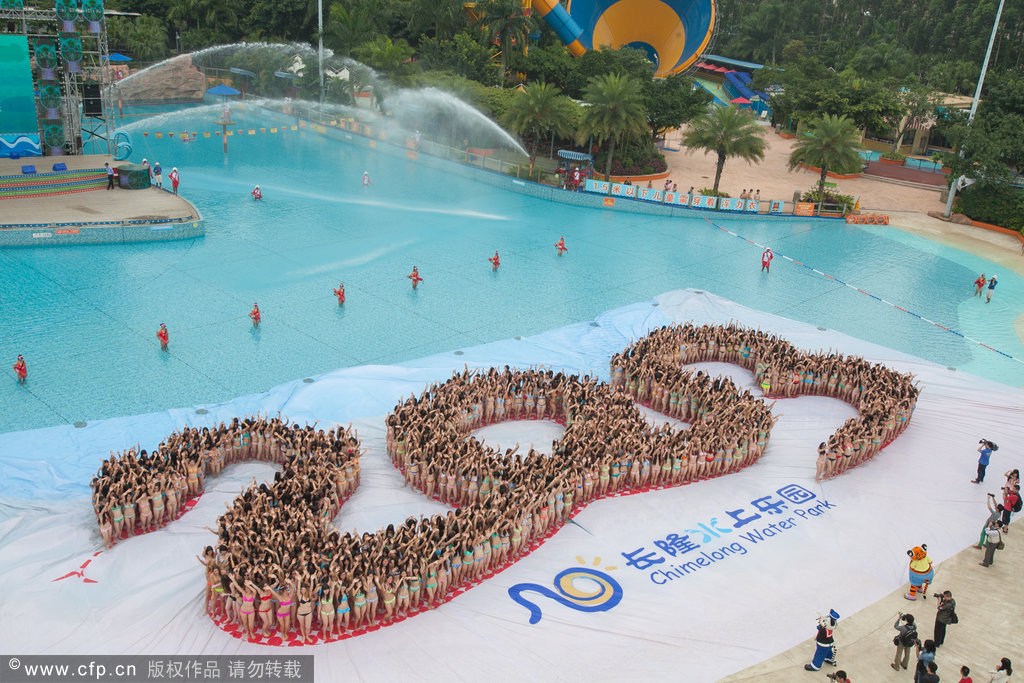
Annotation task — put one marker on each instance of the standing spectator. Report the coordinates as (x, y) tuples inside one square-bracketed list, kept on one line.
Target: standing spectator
[(995, 514), (757, 195), (993, 539), (965, 675), (110, 176), (929, 675), (158, 175), (1011, 503), (1002, 672), (905, 639), (175, 179), (925, 654), (944, 616), (985, 447), (991, 288)]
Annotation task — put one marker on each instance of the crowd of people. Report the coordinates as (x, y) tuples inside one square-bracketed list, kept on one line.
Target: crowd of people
[(278, 562), (885, 399)]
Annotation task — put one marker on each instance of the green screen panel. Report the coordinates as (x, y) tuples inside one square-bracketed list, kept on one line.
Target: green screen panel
[(17, 98)]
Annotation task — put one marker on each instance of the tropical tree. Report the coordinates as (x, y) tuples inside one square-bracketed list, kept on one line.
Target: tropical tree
[(728, 132), (348, 25), (505, 23), (671, 102), (919, 107), (384, 54), (827, 142), (615, 112), (539, 109)]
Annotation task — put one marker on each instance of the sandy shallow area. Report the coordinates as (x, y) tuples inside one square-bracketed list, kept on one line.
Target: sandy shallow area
[(906, 205)]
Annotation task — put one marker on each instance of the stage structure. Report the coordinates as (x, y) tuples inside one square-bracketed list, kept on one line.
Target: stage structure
[(69, 70)]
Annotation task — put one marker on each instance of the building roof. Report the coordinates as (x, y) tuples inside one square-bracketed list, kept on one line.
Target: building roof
[(733, 62)]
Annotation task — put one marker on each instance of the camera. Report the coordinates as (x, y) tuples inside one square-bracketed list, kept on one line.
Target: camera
[(837, 676)]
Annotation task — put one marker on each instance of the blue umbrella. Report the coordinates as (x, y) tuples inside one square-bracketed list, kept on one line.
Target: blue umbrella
[(222, 89), (118, 57)]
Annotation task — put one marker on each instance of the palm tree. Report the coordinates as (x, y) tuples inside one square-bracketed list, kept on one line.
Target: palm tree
[(504, 23), (827, 142), (615, 111), (728, 132), (539, 109), (386, 55)]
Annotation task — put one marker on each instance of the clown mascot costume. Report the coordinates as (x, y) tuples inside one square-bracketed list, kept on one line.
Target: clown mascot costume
[(921, 572), (824, 642)]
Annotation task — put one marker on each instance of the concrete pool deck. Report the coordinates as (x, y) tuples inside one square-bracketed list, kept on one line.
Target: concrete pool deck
[(988, 603), (94, 216)]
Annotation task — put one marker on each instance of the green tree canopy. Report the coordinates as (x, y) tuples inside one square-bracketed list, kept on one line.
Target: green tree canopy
[(506, 24), (827, 142), (539, 109), (726, 132), (614, 112), (671, 102)]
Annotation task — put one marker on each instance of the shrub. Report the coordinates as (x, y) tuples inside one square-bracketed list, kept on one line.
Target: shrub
[(710, 192), (634, 158), (894, 156), (1000, 205), (830, 197)]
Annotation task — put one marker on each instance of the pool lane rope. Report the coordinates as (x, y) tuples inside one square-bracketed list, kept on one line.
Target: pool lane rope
[(854, 287)]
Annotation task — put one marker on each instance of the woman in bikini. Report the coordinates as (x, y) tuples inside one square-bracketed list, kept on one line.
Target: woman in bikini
[(304, 612), (284, 595)]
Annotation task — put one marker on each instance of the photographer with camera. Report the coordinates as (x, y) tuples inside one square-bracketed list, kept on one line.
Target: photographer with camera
[(945, 616), (904, 640), (985, 447), (839, 677), (995, 514)]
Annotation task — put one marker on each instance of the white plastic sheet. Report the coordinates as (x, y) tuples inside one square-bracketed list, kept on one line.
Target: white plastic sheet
[(749, 599)]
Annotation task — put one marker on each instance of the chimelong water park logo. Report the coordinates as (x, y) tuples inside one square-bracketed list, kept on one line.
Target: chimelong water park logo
[(677, 555)]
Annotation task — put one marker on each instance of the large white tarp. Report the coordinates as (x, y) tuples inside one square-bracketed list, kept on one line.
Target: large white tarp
[(748, 592)]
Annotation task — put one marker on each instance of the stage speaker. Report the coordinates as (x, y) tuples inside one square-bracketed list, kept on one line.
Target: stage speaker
[(92, 104)]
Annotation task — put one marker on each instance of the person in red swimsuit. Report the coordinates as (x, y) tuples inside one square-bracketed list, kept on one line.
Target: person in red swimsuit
[(255, 315), (979, 285), (257, 193), (495, 261), (162, 335), (560, 246), (20, 369), (766, 260), (415, 277), (340, 293)]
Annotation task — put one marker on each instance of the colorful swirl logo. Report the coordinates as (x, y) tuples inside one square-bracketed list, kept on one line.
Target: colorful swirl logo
[(599, 592)]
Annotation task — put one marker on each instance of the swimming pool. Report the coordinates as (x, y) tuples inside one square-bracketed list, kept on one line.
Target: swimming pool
[(86, 317)]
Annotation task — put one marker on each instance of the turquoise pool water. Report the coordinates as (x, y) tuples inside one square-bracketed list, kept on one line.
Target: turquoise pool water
[(85, 317)]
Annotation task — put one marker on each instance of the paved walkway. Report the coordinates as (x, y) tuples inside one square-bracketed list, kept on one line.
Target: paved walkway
[(990, 604)]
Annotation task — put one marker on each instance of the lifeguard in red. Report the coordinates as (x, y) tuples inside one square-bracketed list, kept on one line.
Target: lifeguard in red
[(766, 260), (560, 246), (495, 261), (162, 335), (340, 293), (20, 369), (415, 277), (257, 193), (255, 315)]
